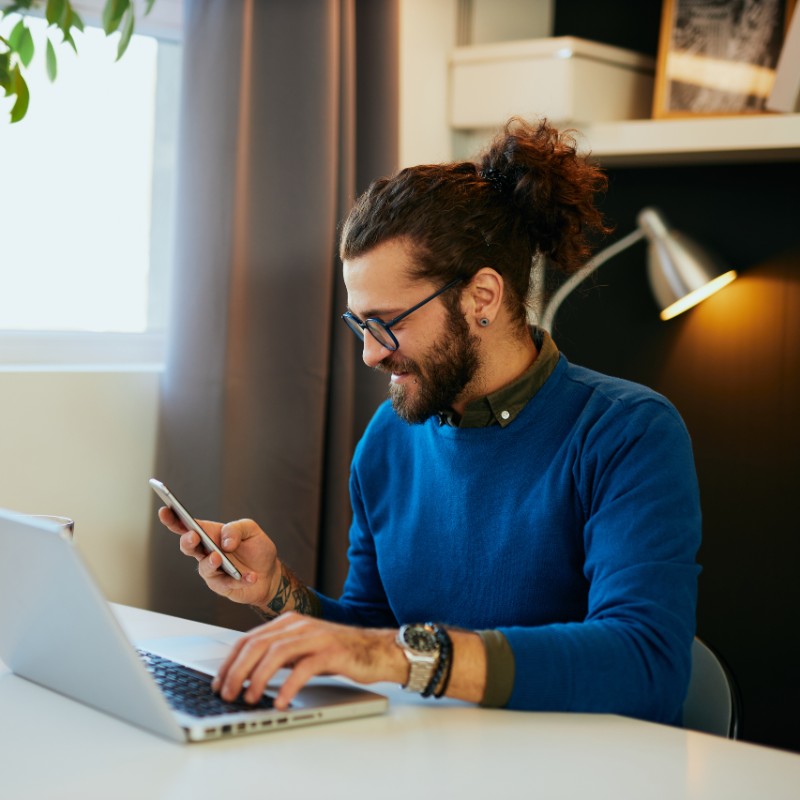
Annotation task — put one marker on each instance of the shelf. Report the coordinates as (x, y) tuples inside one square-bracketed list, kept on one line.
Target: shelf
[(648, 142), (707, 140)]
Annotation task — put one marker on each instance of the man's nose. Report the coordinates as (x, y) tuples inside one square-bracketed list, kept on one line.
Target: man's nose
[(374, 351)]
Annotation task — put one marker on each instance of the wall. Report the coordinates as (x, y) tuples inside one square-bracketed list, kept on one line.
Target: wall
[(81, 444), (731, 367)]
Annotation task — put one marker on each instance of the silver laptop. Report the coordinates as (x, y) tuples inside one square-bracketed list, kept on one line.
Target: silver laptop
[(58, 631)]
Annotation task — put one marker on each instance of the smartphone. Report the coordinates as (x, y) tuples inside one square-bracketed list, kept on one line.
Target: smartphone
[(191, 523)]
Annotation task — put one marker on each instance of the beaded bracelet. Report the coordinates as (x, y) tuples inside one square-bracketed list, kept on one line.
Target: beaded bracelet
[(447, 670), (445, 659)]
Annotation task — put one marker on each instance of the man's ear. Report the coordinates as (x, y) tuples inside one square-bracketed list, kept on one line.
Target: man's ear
[(483, 297)]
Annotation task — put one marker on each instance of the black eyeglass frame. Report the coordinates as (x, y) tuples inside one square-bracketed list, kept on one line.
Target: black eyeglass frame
[(358, 327)]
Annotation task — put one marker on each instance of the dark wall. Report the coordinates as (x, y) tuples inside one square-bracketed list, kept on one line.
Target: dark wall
[(632, 24), (732, 367)]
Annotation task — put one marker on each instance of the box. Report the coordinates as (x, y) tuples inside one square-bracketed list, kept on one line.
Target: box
[(565, 79)]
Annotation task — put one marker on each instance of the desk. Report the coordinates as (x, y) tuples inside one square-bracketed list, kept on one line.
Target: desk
[(426, 749)]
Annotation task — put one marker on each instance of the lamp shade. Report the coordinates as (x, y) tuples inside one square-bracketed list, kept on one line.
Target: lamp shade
[(681, 272)]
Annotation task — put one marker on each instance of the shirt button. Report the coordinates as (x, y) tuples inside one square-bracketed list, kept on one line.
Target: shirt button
[(505, 414)]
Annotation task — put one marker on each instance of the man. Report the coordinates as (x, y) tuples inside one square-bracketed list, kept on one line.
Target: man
[(544, 517)]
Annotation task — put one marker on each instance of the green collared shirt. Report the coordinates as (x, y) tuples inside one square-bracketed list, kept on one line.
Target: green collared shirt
[(502, 408)]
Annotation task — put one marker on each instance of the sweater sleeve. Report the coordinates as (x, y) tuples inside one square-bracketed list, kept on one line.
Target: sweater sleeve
[(363, 601), (635, 476)]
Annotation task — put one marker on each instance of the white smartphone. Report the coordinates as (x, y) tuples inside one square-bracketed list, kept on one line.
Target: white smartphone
[(191, 523)]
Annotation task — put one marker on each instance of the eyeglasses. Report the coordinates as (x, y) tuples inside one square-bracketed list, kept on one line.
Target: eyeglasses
[(380, 330)]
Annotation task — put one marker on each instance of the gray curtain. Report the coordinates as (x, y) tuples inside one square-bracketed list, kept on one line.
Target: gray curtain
[(289, 109)]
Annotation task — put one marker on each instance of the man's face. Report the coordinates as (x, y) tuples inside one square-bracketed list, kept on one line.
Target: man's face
[(438, 358)]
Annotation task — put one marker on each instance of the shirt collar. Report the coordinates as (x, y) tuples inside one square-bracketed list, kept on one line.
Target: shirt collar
[(503, 406)]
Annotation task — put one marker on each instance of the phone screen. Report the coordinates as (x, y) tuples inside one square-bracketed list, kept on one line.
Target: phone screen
[(172, 502)]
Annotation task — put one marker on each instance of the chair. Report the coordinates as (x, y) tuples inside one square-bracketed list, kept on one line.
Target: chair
[(712, 703)]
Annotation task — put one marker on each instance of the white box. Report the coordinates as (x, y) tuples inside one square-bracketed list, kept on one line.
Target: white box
[(562, 78)]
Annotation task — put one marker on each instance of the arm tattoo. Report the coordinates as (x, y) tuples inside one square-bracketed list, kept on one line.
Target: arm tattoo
[(292, 594)]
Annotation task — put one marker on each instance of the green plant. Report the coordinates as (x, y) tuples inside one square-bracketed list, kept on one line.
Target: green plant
[(17, 50)]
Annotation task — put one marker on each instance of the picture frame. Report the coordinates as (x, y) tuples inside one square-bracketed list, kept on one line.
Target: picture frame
[(718, 57)]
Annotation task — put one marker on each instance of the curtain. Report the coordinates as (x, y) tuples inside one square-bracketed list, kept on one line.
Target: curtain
[(289, 109)]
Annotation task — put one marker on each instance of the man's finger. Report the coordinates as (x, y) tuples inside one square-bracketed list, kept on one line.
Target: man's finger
[(301, 674), (190, 545), (169, 520)]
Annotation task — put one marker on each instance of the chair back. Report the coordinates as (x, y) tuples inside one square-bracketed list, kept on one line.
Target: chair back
[(712, 702)]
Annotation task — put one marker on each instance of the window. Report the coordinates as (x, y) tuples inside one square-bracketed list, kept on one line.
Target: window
[(86, 205)]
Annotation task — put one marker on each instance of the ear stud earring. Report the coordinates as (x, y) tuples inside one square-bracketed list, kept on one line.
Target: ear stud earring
[(483, 322)]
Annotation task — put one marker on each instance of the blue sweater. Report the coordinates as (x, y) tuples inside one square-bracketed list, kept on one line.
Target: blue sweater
[(573, 531)]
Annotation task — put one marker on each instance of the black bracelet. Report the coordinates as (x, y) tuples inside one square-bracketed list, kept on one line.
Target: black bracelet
[(447, 670), (445, 653)]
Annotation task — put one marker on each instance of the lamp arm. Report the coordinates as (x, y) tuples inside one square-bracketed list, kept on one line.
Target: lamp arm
[(596, 261)]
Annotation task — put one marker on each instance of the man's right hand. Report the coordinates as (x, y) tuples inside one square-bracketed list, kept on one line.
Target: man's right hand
[(253, 552)]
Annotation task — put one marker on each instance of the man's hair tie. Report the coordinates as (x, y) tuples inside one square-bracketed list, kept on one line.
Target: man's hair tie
[(499, 180)]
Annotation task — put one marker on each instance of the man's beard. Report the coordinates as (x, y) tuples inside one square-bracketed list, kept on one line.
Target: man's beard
[(439, 377)]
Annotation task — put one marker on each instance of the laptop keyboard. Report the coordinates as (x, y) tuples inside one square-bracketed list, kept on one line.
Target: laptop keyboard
[(190, 691)]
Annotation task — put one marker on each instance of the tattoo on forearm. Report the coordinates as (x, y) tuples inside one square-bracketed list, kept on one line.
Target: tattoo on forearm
[(278, 603), (302, 601), (292, 594)]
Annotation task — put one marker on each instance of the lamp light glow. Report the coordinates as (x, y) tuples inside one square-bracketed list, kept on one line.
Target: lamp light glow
[(698, 295)]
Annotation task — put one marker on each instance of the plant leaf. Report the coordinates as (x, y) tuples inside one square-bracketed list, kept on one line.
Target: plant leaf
[(52, 65), (127, 31), (77, 22), (5, 72), (26, 47), (53, 11), (70, 41), (65, 18), (149, 6), (20, 107), (112, 14), (15, 36)]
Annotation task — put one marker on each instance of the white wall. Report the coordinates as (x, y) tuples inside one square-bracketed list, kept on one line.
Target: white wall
[(82, 444), (427, 35)]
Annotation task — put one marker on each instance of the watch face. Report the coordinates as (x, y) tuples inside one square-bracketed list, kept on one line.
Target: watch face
[(420, 639)]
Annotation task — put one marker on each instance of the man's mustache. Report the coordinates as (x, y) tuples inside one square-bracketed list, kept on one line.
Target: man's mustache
[(390, 365)]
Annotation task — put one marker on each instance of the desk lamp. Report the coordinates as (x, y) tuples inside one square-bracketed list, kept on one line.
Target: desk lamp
[(681, 272)]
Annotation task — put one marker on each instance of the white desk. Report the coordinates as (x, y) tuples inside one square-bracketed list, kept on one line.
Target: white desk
[(427, 749)]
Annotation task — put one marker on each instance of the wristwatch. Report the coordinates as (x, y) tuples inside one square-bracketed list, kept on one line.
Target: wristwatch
[(420, 645)]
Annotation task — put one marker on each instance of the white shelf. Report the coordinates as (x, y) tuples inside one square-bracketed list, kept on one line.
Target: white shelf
[(707, 140)]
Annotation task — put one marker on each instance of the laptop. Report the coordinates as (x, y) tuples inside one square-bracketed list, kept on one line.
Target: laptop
[(63, 635)]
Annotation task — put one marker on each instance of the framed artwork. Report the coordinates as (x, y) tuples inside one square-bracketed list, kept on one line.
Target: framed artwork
[(718, 57)]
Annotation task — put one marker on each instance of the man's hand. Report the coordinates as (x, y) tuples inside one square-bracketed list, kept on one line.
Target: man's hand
[(309, 647), (252, 551)]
